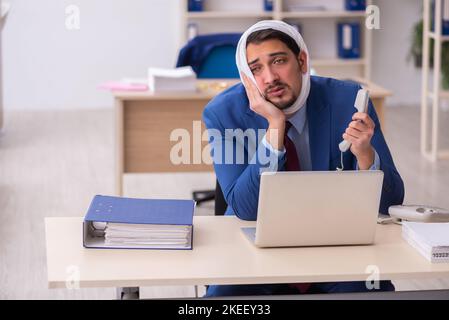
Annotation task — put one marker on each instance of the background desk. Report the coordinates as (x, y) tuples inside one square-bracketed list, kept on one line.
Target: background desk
[(222, 255), (145, 120)]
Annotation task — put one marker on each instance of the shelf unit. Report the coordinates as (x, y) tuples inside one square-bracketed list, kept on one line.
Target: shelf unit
[(329, 66), (432, 35), (323, 14), (430, 133), (227, 15)]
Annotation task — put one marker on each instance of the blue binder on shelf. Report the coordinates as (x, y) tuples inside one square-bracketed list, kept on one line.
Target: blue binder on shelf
[(355, 5), (348, 38), (130, 223), (444, 17), (268, 5), (195, 5)]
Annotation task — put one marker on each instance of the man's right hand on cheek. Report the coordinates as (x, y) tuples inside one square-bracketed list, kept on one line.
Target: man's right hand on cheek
[(275, 117), (260, 105)]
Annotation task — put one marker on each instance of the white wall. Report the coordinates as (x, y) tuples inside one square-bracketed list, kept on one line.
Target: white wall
[(390, 50), (1, 75), (47, 66)]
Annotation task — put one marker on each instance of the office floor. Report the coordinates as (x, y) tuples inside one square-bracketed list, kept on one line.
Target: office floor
[(52, 163)]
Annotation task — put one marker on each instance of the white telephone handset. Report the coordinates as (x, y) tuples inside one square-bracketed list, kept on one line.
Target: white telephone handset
[(361, 104), (419, 213)]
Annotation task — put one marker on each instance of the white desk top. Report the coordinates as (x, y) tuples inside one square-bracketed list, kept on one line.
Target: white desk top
[(222, 255)]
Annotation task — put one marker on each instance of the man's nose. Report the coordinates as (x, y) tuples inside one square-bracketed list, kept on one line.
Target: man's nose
[(270, 76)]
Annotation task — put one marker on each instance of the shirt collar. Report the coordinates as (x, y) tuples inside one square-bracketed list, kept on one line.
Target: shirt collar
[(298, 119)]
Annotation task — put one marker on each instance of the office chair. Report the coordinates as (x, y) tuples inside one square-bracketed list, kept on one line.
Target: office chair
[(211, 56), (208, 195)]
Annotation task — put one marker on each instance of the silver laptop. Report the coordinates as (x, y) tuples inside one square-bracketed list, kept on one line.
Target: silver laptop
[(317, 208)]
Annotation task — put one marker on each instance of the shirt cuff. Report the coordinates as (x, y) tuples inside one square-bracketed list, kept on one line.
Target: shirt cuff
[(276, 152), (375, 165)]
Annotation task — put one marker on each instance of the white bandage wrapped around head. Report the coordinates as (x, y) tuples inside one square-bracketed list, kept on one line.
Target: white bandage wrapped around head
[(242, 63)]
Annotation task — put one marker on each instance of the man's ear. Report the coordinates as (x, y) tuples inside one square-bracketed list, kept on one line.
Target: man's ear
[(302, 60)]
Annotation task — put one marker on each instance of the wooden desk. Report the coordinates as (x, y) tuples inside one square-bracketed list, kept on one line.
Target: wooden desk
[(222, 255), (144, 122)]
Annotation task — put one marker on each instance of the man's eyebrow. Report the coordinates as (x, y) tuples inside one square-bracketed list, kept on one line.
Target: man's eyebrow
[(279, 53), (253, 62)]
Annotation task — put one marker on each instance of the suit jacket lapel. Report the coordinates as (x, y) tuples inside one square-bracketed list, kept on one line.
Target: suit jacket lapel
[(318, 117)]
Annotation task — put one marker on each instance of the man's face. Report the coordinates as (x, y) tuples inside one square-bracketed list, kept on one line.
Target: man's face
[(277, 71)]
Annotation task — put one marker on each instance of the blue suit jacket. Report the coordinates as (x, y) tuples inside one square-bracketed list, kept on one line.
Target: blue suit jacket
[(330, 107)]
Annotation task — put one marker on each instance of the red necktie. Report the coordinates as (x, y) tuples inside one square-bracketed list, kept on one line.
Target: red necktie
[(292, 164)]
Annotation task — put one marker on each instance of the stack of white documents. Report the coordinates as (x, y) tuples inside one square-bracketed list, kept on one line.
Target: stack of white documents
[(179, 79), (148, 235), (429, 239)]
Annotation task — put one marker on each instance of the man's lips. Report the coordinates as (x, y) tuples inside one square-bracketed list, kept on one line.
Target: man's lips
[(276, 92)]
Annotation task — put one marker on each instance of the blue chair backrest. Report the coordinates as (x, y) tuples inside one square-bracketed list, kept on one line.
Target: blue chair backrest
[(220, 63), (211, 55)]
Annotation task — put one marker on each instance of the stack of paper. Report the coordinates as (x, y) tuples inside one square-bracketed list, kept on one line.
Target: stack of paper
[(429, 239), (179, 79), (129, 223), (160, 236)]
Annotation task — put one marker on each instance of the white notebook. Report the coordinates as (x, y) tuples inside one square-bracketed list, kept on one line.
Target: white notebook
[(429, 239)]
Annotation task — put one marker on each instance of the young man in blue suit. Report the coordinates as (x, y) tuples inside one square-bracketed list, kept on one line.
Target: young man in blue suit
[(303, 119)]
